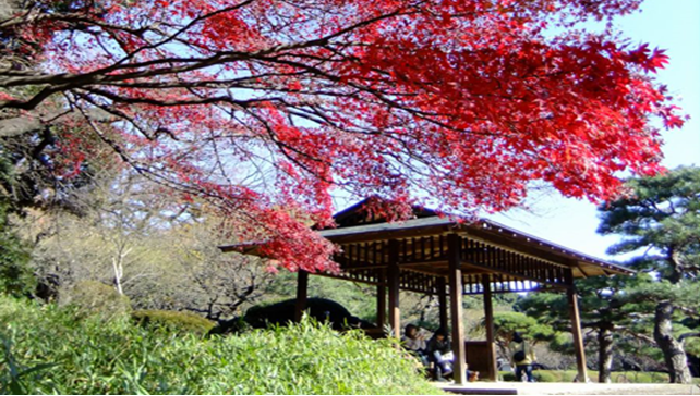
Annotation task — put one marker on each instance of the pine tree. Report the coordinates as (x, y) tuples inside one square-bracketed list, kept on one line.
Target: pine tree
[(506, 324), (660, 218), (602, 301)]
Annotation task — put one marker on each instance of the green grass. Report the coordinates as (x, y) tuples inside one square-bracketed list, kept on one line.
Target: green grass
[(97, 356), (617, 376)]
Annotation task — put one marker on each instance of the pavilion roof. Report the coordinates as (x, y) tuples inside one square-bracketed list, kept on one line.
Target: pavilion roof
[(357, 226), (488, 231)]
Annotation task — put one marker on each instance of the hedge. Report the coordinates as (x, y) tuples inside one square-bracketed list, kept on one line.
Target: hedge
[(570, 375)]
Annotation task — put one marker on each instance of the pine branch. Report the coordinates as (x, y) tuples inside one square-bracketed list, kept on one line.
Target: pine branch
[(682, 337), (642, 337)]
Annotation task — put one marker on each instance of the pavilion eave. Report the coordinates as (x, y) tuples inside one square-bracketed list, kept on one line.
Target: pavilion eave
[(490, 232)]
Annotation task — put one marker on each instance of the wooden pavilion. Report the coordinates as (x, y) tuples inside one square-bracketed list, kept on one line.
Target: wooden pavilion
[(448, 258)]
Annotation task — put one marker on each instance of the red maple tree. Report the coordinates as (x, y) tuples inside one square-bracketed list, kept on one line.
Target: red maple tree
[(264, 106)]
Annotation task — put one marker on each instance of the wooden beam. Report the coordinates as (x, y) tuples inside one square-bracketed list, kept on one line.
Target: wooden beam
[(395, 232), (442, 301), (524, 245), (392, 280), (381, 306), (455, 277), (576, 331), (490, 331), (468, 265), (348, 276), (348, 264), (302, 285)]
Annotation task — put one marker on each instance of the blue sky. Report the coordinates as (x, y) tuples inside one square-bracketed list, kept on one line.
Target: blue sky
[(673, 25)]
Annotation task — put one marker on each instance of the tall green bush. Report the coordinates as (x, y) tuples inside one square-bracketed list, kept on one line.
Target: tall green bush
[(94, 356), (174, 320)]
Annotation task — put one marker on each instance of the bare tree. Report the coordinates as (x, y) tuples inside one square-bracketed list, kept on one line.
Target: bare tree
[(161, 255)]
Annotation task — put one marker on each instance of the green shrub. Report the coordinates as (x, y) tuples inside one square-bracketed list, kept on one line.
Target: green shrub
[(92, 356), (508, 376), (232, 326), (91, 297), (639, 377), (320, 309), (545, 376), (569, 376), (174, 320)]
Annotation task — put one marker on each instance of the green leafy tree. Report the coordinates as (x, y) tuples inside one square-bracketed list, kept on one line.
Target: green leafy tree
[(660, 220), (506, 324), (602, 307)]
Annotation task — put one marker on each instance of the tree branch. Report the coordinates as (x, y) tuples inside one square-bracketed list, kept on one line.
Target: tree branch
[(683, 336)]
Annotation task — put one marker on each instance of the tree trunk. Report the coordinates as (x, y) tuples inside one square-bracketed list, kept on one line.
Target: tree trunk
[(672, 257), (210, 308), (605, 353), (673, 350), (118, 271)]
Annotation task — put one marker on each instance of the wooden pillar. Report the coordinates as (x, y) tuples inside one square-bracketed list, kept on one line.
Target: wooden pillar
[(442, 301), (490, 331), (576, 331), (302, 284), (381, 306), (392, 279), (455, 277)]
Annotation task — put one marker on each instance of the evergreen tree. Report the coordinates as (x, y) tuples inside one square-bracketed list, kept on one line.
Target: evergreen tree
[(660, 218), (602, 303), (506, 324)]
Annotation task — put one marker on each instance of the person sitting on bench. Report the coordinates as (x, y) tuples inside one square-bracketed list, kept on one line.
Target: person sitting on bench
[(414, 341), (440, 352)]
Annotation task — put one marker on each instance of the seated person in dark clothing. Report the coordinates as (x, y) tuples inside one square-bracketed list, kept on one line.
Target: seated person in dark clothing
[(440, 352)]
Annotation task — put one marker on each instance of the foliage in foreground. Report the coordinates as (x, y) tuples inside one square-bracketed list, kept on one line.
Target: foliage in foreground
[(93, 356)]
